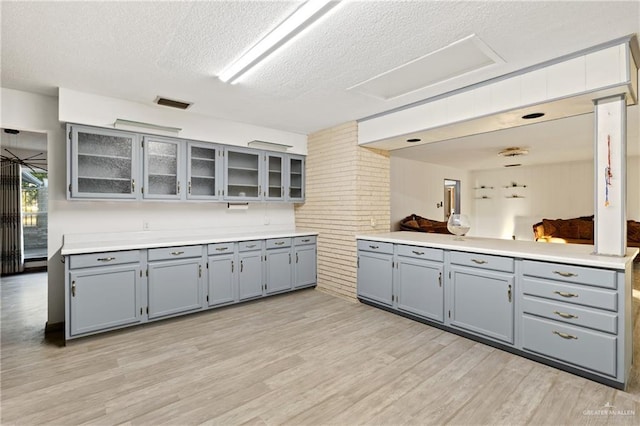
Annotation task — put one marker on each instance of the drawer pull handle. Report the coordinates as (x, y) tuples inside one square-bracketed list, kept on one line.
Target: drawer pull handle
[(565, 315), (565, 294), (251, 245), (279, 243), (177, 253), (419, 253), (374, 247), (565, 274), (106, 259), (479, 261), (306, 240), (565, 335), (221, 248)]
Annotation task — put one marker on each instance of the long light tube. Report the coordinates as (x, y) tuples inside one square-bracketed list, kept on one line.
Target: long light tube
[(303, 16)]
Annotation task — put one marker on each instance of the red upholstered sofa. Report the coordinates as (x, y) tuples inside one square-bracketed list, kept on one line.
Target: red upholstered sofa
[(420, 224), (578, 231)]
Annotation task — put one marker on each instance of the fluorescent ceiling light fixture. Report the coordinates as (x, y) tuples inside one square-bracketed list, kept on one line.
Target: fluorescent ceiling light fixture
[(302, 18)]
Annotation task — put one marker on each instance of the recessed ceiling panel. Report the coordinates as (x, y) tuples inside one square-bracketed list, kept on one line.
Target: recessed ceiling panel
[(461, 57)]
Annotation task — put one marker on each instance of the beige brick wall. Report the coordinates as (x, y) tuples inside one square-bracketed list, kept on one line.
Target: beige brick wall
[(347, 186)]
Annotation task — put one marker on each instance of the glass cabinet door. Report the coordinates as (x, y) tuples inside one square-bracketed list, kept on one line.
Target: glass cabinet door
[(274, 184), (162, 168), (296, 179), (242, 181), (104, 163), (202, 172)]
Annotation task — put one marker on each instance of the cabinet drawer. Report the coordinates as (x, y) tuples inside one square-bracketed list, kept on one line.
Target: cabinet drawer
[(167, 253), (278, 243), (575, 294), (421, 252), (375, 246), (584, 348), (568, 273), (571, 314), (101, 259), (299, 241), (220, 248), (250, 245), (485, 261)]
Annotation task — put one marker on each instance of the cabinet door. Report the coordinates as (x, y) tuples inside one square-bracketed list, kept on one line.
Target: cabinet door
[(295, 178), (174, 287), (375, 277), (250, 274), (222, 279), (482, 302), (305, 266), (103, 298), (419, 288), (243, 175), (202, 171), (162, 169), (274, 177), (104, 163), (279, 270)]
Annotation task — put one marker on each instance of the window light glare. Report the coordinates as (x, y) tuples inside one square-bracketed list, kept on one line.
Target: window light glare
[(289, 28)]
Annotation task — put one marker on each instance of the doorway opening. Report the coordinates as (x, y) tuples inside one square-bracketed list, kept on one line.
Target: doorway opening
[(451, 197)]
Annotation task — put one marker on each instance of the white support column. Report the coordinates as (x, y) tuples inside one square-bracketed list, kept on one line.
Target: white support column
[(610, 160)]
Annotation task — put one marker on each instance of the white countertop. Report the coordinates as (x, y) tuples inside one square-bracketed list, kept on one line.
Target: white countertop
[(577, 254), (115, 241)]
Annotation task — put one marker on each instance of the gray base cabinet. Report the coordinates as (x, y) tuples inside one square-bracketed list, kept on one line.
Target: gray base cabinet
[(174, 287), (305, 272), (110, 290), (222, 280), (419, 288), (103, 291), (573, 317), (482, 302), (375, 272), (103, 298), (250, 279)]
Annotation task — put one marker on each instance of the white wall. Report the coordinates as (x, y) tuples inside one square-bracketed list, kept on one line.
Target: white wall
[(26, 111), (416, 187), (554, 191)]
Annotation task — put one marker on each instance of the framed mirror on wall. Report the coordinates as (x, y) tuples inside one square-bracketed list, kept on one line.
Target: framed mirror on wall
[(451, 197)]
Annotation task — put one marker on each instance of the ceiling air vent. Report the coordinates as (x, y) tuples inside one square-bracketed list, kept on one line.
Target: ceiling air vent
[(172, 103)]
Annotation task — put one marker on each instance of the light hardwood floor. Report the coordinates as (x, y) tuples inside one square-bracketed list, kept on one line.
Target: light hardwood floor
[(302, 358)]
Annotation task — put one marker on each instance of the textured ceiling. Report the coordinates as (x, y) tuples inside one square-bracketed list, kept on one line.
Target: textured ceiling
[(138, 50)]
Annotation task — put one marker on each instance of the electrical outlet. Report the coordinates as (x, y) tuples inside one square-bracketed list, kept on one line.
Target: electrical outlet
[(146, 226)]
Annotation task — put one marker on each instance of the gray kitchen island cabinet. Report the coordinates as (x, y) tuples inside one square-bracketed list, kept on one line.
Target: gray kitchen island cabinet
[(557, 304), (279, 269), (419, 282), (174, 280), (375, 271), (103, 292), (482, 295)]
